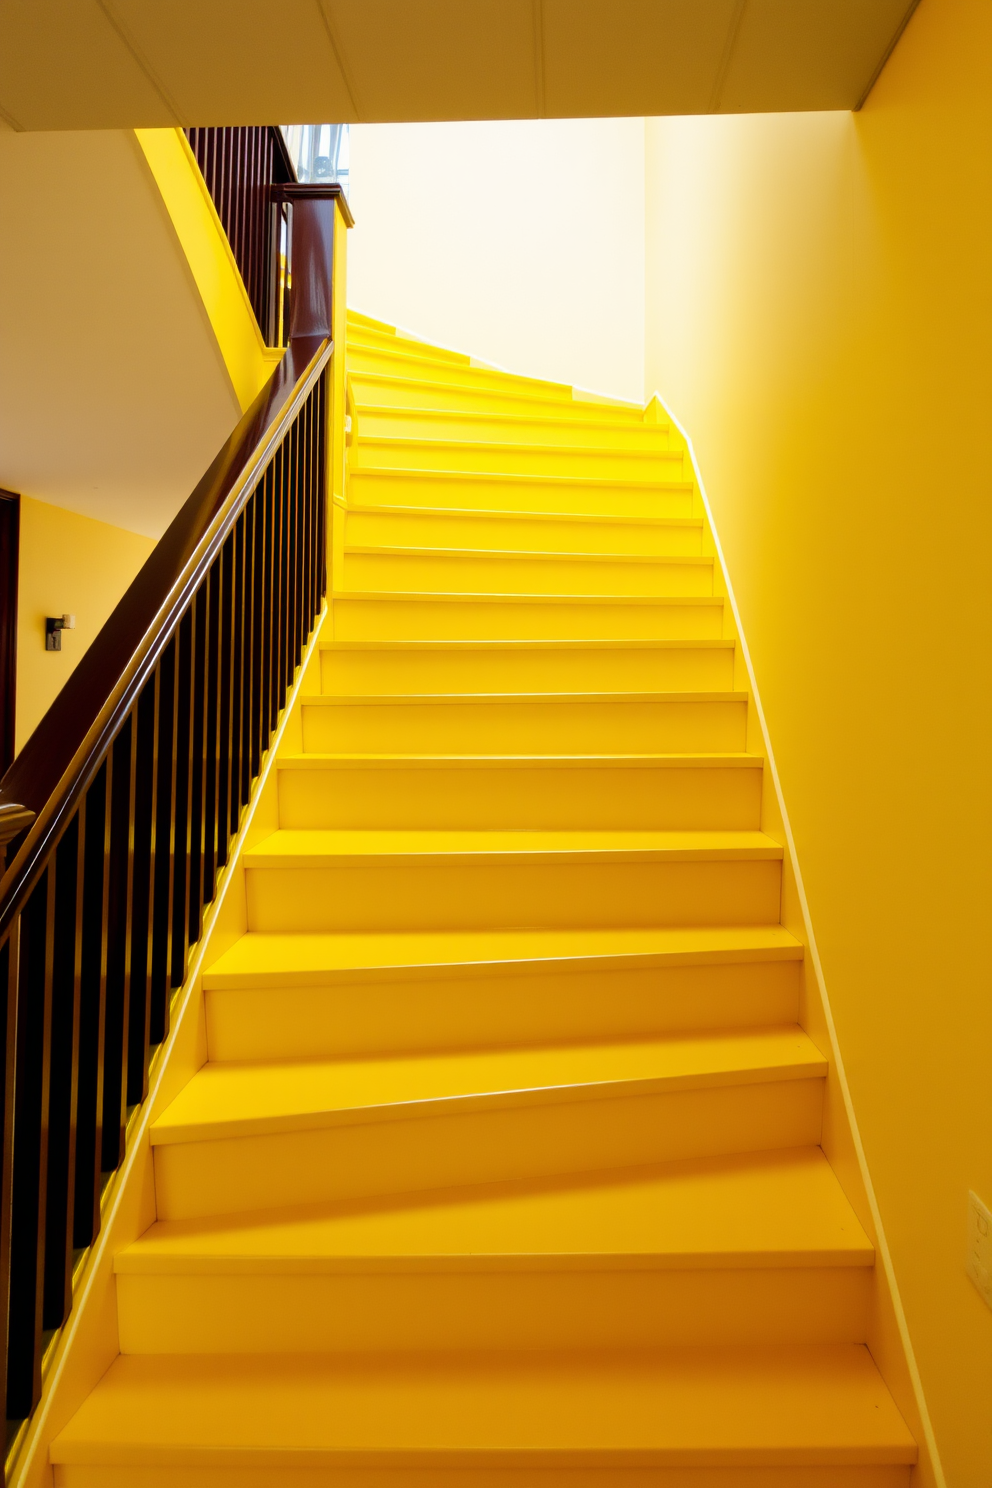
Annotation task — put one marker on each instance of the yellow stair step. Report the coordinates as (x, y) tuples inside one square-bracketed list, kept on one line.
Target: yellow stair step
[(705, 791), (762, 1248), (322, 960), (465, 529), (231, 1100), (526, 723), (717, 1410), (348, 995), (758, 1210), (582, 427), (389, 615), (330, 880), (319, 848), (689, 664)]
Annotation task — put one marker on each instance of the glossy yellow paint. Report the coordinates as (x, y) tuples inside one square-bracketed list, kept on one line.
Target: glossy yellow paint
[(248, 360), (503, 1167)]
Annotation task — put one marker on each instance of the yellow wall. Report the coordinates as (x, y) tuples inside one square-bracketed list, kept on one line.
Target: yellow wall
[(819, 309), (68, 563)]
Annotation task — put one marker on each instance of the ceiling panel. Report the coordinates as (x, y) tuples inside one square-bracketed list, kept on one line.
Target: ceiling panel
[(808, 54), (438, 59), (63, 66), (604, 57), (240, 61)]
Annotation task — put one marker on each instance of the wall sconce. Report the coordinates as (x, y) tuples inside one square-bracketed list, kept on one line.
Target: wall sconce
[(54, 626)]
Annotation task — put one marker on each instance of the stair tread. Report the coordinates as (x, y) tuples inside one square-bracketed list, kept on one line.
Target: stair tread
[(412, 354), (314, 760), (754, 1210), (522, 478), (793, 1405), (324, 845), (506, 515), (690, 643), (224, 1100), (481, 415), (458, 699), (426, 596), (528, 555), (413, 441), (311, 960)]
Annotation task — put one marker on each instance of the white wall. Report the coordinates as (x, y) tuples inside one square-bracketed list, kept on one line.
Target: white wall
[(519, 242)]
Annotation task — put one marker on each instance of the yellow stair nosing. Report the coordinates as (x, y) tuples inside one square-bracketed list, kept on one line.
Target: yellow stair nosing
[(396, 411), (348, 847), (424, 596), (524, 394), (502, 514), (805, 1062), (458, 699), (704, 643), (518, 478), (530, 555), (415, 956), (618, 451), (407, 352), (316, 760)]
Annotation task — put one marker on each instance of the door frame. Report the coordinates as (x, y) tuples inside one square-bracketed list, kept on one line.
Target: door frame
[(10, 534)]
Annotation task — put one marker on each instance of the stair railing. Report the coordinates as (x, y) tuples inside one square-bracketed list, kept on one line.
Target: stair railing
[(119, 812)]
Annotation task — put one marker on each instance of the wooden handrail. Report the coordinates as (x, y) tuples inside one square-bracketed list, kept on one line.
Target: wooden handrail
[(57, 760)]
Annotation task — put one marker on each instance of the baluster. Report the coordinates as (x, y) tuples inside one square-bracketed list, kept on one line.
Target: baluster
[(165, 844), (66, 969), (184, 775), (8, 993), (280, 648), (239, 666), (143, 895), (225, 727), (197, 765), (325, 490), (94, 823), (118, 956), (257, 627), (268, 612), (29, 1189), (211, 723)]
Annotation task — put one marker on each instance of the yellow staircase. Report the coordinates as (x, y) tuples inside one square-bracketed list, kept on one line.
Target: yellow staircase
[(504, 1169)]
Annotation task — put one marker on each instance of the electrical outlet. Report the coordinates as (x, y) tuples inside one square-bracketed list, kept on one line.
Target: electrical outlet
[(980, 1246)]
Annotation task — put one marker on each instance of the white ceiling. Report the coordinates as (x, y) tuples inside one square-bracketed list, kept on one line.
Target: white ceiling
[(114, 397), (100, 64)]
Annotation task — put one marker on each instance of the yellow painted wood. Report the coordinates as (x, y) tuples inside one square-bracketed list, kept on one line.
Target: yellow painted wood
[(792, 1407), (503, 1169)]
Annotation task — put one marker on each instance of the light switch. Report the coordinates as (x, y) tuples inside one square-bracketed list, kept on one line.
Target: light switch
[(979, 1264)]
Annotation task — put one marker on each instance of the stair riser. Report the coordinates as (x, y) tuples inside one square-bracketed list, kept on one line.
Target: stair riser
[(504, 534), (396, 390), (195, 1179), (408, 573), (451, 620), (614, 1475), (494, 493), (611, 463), (582, 428), (405, 361), (525, 727), (361, 1018), (465, 669), (365, 338), (445, 798), (266, 1314), (459, 895)]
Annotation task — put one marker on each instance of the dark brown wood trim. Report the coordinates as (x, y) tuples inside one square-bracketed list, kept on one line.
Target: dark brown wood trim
[(10, 541)]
